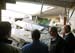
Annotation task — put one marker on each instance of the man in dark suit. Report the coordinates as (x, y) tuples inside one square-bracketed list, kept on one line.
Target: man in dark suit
[(70, 39), (57, 43)]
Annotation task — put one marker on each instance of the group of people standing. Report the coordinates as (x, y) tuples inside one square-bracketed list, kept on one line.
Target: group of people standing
[(57, 44), (62, 45)]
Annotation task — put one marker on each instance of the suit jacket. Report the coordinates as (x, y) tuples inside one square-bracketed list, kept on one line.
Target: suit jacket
[(70, 43), (58, 45)]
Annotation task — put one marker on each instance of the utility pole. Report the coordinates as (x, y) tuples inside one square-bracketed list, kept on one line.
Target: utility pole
[(65, 19)]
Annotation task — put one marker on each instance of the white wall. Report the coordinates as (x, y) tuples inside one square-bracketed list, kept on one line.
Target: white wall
[(72, 20)]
